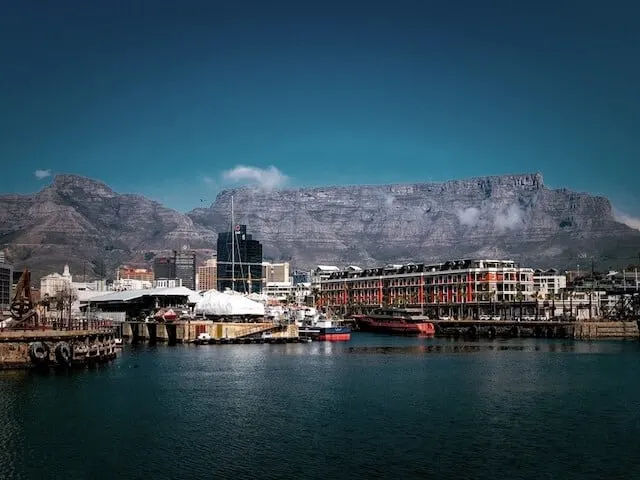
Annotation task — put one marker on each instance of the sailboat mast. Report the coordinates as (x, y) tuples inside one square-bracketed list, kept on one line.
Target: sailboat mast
[(233, 249)]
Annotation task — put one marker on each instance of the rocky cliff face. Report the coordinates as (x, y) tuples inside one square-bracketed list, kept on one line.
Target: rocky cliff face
[(85, 223), (512, 216)]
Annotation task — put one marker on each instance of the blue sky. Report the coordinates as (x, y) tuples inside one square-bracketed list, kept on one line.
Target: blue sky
[(161, 98)]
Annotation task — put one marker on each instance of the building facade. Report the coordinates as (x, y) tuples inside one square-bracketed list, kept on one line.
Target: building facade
[(6, 285), (239, 261), (126, 272), (164, 267), (275, 272), (50, 285), (300, 276), (185, 264), (548, 283), (415, 285), (323, 272), (207, 275)]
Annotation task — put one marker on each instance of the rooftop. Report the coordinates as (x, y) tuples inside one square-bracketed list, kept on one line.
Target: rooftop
[(129, 295)]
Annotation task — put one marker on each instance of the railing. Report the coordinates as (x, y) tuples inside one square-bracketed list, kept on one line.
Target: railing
[(63, 325)]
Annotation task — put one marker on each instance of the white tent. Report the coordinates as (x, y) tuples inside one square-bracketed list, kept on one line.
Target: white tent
[(214, 302)]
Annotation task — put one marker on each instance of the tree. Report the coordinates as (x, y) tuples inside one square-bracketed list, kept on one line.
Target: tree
[(65, 297)]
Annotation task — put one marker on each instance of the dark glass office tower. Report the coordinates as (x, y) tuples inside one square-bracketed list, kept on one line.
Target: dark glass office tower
[(164, 267), (248, 262), (185, 264)]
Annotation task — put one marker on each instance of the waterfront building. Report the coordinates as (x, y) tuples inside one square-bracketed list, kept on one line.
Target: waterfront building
[(416, 285), (207, 274), (164, 267), (134, 273), (185, 264), (323, 272), (51, 284), (239, 261), (287, 292), (300, 276), (275, 272), (548, 283), (6, 285)]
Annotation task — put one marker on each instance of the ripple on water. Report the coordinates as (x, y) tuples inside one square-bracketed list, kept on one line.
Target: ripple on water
[(370, 408)]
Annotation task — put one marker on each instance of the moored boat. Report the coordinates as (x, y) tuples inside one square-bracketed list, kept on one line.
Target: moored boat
[(394, 321), (324, 330)]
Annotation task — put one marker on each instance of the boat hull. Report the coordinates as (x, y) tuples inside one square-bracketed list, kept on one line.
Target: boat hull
[(335, 334), (326, 334)]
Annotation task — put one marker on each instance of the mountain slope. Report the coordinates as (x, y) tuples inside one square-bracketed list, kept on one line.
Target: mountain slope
[(513, 216), (83, 222)]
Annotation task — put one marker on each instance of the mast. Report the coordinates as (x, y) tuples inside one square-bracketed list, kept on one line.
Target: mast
[(233, 249)]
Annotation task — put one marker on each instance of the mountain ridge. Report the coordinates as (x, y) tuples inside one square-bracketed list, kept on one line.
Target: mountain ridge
[(84, 222)]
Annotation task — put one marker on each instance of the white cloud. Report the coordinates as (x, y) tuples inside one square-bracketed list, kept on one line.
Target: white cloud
[(469, 216), (267, 178), (628, 220), (40, 174), (207, 180), (510, 218)]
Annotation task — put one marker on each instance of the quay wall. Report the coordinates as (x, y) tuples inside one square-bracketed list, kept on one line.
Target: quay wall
[(15, 346), (606, 330), (185, 332), (580, 330)]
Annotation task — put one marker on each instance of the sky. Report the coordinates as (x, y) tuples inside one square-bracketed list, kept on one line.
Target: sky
[(177, 100)]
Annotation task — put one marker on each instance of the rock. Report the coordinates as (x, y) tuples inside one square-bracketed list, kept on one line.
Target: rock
[(83, 222)]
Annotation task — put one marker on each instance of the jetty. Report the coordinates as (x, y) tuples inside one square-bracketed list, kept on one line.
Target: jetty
[(579, 330), (187, 331), (25, 342)]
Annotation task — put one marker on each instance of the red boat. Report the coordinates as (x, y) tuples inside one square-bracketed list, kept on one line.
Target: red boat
[(394, 321)]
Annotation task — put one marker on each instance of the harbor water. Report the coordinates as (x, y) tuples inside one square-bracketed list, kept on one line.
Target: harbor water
[(373, 407)]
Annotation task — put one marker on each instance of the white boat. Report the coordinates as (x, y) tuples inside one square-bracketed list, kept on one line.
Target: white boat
[(118, 342), (203, 339)]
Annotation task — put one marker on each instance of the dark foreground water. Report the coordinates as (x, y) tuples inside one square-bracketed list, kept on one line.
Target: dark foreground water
[(375, 407)]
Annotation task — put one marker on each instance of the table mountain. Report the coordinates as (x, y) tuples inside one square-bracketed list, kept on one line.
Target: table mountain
[(509, 216), (83, 222)]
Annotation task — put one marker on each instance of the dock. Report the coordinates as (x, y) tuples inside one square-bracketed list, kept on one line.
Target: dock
[(578, 330), (187, 331), (47, 348)]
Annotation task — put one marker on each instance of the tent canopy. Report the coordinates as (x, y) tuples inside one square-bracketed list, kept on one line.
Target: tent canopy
[(216, 303)]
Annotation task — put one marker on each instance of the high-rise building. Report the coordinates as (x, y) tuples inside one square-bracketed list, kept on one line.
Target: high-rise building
[(185, 264), (207, 275), (6, 285), (1, 256), (239, 261), (164, 267)]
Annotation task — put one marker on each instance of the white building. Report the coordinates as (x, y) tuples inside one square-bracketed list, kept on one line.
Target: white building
[(548, 283), (322, 272), (51, 284), (167, 283), (287, 291), (124, 284)]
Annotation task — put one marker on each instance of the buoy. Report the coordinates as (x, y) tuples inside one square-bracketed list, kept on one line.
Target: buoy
[(39, 353), (63, 353)]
